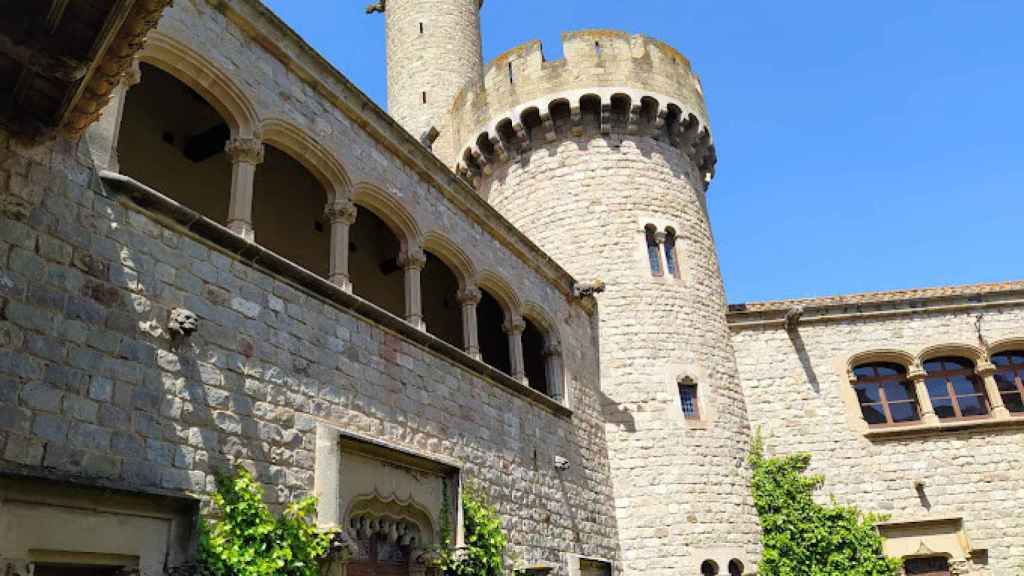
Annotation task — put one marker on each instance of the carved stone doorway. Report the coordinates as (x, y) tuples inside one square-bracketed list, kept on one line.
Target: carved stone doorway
[(378, 557)]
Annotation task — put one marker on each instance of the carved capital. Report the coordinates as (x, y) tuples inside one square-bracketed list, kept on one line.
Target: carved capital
[(916, 373), (248, 150), (553, 349), (412, 258), (514, 325), (341, 212), (659, 236), (985, 369), (469, 296)]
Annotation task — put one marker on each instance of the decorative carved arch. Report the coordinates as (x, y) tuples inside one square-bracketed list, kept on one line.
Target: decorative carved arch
[(320, 162), (974, 353), (453, 257), (391, 211), (394, 508), (1006, 345), (190, 67), (502, 292)]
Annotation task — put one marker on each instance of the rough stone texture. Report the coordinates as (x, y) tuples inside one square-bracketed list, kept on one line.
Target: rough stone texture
[(94, 387), (678, 489), (792, 383), (439, 61)]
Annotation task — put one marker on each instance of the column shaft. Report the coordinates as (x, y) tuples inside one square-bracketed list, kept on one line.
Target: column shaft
[(245, 155)]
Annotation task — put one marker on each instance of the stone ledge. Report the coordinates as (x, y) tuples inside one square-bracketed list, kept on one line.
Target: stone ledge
[(167, 210), (931, 430)]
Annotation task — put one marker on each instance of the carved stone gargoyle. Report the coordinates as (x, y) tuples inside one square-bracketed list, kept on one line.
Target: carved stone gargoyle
[(182, 323), (587, 289)]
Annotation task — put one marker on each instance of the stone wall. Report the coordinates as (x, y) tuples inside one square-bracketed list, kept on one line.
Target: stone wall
[(681, 488), (93, 389), (795, 383)]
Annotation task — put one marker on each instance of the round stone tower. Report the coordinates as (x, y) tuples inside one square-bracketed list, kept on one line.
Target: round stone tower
[(604, 159), (433, 51)]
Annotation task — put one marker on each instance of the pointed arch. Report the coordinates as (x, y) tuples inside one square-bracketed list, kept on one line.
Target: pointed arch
[(297, 143), (391, 211), (540, 316), (452, 255), (190, 67)]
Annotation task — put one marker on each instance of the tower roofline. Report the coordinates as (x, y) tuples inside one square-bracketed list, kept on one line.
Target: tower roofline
[(628, 84)]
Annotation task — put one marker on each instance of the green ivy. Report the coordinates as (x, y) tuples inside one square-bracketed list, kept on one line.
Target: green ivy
[(804, 538), (484, 550), (249, 541)]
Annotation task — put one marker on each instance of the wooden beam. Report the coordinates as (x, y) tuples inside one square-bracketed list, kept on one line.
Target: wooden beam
[(34, 57)]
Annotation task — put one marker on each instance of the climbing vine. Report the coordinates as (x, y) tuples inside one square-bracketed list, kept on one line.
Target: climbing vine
[(485, 540), (804, 538), (250, 541)]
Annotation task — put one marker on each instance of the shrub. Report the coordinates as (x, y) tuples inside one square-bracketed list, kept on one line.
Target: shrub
[(804, 538), (249, 541), (484, 550)]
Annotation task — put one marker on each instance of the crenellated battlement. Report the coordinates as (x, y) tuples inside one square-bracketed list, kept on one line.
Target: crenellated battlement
[(608, 83)]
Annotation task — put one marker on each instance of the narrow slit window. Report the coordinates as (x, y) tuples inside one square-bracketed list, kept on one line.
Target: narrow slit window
[(421, 27), (510, 78), (688, 399), (653, 253), (424, 97), (597, 49), (671, 256)]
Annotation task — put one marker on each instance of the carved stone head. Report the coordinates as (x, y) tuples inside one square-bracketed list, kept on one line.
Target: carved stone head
[(182, 323)]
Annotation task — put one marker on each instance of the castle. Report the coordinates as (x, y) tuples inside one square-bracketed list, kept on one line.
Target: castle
[(216, 251)]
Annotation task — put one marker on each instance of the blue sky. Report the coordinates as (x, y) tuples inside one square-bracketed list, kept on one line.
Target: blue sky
[(868, 145)]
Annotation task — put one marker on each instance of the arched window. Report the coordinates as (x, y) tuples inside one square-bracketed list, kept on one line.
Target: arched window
[(653, 257), (671, 254), (441, 308), (709, 568), (885, 395), (534, 358), (288, 212), (494, 347), (735, 567), (688, 398), (173, 140), (1010, 379), (373, 262), (955, 390)]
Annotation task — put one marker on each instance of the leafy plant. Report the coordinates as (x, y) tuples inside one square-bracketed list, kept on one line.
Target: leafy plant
[(249, 541), (804, 538), (484, 550)]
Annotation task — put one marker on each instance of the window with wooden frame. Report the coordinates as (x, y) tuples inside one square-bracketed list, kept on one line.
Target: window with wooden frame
[(688, 399), (671, 256), (653, 255), (885, 395), (1010, 379), (956, 391)]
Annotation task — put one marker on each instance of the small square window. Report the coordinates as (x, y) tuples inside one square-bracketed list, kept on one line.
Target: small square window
[(688, 399)]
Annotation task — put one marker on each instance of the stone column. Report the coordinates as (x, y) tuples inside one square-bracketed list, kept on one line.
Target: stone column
[(469, 298), (553, 369), (659, 238), (987, 372), (924, 400), (103, 136), (245, 155), (514, 327), (342, 215), (412, 262)]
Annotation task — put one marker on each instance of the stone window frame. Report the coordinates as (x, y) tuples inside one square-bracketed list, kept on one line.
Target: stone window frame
[(884, 402), (671, 253), (928, 536), (928, 423), (685, 382), (1002, 347), (660, 228), (947, 372), (672, 376)]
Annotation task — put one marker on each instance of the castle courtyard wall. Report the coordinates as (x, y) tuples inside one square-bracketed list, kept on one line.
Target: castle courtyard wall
[(798, 394)]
